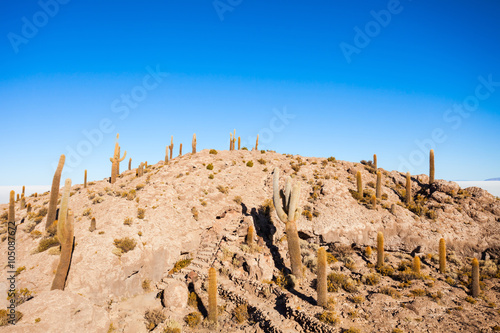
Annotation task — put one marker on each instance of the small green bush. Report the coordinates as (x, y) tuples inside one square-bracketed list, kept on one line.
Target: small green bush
[(193, 319), (210, 166), (250, 164), (213, 151), (125, 244)]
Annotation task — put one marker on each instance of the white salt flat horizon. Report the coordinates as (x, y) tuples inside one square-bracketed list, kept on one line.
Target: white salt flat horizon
[(29, 190), (492, 186)]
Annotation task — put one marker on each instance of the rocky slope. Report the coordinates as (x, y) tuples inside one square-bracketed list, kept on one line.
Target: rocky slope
[(195, 212)]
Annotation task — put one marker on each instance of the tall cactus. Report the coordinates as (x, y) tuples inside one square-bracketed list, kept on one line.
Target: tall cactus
[(380, 249), (475, 278), (24, 188), (374, 201), (166, 154), (322, 287), (22, 202), (193, 144), (65, 232), (257, 143), (359, 182), (408, 188), (239, 143), (85, 179), (115, 161), (379, 185), (92, 225), (212, 294), (375, 161), (289, 217), (230, 141), (12, 209), (130, 164), (171, 146), (442, 256), (180, 149), (431, 166), (54, 194)]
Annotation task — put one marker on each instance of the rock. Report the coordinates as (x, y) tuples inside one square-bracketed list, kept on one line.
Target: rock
[(175, 295), (60, 311), (444, 186), (266, 266)]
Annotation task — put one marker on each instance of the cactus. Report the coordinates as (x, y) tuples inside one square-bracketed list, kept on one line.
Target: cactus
[(374, 201), (230, 141), (23, 193), (166, 154), (140, 170), (442, 256), (368, 252), (115, 161), (380, 249), (375, 161), (378, 190), (65, 231), (28, 208), (171, 146), (257, 143), (239, 143), (22, 202), (92, 225), (289, 218), (193, 144), (416, 265), (54, 193), (431, 166), (250, 235), (321, 287), (130, 164), (360, 184), (475, 278), (212, 295), (180, 149), (12, 210), (85, 179), (408, 188)]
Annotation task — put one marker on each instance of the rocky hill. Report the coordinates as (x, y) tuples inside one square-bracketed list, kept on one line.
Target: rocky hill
[(145, 267)]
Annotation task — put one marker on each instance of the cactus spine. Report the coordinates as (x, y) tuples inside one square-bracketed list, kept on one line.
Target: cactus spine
[(431, 166), (115, 161), (380, 249), (193, 144), (54, 194), (65, 232), (180, 149), (360, 184), (250, 235), (408, 188), (475, 278), (379, 185), (12, 209), (375, 161), (416, 265), (257, 143), (322, 287), (289, 218), (212, 295), (85, 179), (92, 225), (442, 256)]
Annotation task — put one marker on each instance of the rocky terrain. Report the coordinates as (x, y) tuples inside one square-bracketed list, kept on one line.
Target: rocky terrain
[(145, 266)]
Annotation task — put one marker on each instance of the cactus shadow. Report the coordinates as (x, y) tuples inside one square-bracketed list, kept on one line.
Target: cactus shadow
[(266, 229)]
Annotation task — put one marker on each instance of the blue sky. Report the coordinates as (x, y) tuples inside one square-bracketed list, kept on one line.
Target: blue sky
[(318, 78)]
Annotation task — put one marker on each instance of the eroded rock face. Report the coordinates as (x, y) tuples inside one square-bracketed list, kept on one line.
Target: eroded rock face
[(175, 295), (60, 311), (444, 186)]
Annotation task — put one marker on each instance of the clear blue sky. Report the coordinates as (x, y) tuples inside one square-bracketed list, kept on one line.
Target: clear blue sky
[(355, 78)]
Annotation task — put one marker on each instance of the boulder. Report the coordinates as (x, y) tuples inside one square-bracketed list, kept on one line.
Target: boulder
[(175, 295)]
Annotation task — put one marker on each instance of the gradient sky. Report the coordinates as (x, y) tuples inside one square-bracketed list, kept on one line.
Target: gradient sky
[(240, 64)]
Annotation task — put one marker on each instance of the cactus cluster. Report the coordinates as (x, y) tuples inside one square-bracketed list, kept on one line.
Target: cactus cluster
[(290, 203)]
